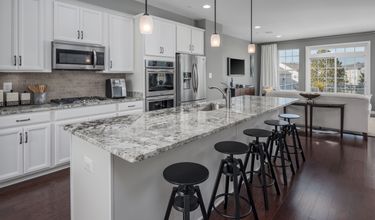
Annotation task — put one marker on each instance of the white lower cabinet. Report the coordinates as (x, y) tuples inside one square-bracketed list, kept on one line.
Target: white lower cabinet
[(11, 153), (37, 147)]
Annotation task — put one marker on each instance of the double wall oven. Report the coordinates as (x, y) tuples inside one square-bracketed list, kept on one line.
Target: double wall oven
[(160, 84)]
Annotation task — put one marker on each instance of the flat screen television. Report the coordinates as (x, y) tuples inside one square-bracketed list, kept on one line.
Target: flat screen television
[(235, 66)]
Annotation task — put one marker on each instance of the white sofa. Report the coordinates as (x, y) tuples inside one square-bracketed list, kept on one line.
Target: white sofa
[(356, 116)]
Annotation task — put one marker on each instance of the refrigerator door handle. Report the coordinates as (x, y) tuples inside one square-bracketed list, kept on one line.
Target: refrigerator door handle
[(193, 78), (196, 77)]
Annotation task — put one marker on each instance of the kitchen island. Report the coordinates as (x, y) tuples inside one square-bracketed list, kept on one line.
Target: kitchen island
[(117, 163)]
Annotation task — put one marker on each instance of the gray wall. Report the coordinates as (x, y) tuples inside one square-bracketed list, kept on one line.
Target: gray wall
[(217, 59), (133, 7), (303, 43)]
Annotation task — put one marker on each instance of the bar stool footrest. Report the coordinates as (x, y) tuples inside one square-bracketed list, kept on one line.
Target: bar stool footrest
[(250, 209), (179, 203), (277, 163)]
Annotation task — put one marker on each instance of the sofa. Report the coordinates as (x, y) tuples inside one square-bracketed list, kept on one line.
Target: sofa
[(356, 115)]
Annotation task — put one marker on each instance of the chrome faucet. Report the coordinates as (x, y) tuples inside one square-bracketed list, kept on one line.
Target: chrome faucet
[(227, 96)]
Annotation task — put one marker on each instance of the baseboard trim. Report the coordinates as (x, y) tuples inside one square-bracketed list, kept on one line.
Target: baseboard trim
[(32, 176)]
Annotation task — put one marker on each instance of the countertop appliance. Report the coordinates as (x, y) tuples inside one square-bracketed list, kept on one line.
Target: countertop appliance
[(160, 102), (160, 78), (115, 88), (191, 78), (68, 55), (78, 100)]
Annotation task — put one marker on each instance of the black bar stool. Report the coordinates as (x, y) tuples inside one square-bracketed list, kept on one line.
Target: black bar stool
[(292, 131), (232, 168), (186, 197), (259, 150), (278, 136)]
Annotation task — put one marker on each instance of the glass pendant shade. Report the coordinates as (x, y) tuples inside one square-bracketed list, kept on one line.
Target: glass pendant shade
[(215, 40), (146, 24), (251, 48)]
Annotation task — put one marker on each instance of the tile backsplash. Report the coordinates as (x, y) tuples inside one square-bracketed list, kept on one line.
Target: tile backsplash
[(61, 84)]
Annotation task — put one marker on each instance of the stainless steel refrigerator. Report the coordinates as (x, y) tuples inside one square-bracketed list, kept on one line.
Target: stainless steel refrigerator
[(191, 78)]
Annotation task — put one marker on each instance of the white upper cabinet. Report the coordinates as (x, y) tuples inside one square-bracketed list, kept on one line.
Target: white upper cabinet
[(66, 22), (30, 34), (22, 38), (74, 23), (190, 40), (121, 44), (183, 39), (8, 36), (162, 42), (197, 41)]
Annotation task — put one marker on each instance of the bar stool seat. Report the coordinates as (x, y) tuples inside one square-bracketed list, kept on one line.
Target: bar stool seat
[(231, 147), (289, 116), (186, 173), (186, 196), (257, 133), (277, 123)]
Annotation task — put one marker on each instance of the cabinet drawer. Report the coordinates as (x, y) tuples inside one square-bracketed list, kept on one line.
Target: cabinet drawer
[(84, 111), (24, 119), (130, 106)]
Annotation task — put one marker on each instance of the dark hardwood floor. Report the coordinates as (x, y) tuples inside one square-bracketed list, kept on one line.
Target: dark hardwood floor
[(337, 182)]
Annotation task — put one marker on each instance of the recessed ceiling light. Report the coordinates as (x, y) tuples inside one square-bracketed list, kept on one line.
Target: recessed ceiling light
[(206, 6), (278, 36), (257, 27)]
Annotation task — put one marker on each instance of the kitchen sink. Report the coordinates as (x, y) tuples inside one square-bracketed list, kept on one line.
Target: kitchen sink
[(211, 107)]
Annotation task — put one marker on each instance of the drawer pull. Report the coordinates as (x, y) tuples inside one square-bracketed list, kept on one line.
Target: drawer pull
[(131, 106), (23, 120), (26, 137)]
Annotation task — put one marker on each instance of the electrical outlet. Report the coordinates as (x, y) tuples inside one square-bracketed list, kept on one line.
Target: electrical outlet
[(88, 164), (7, 86), (210, 75)]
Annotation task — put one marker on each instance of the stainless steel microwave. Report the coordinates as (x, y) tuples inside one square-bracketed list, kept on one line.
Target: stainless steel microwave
[(77, 56)]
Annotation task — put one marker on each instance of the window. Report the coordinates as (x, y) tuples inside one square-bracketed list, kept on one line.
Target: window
[(288, 69), (340, 68)]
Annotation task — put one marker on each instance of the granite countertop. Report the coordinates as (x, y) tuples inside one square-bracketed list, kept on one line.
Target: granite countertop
[(52, 106), (140, 136)]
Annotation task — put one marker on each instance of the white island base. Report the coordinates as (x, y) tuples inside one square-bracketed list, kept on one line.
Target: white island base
[(106, 187)]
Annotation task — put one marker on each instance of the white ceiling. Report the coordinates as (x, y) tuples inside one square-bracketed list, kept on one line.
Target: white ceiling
[(293, 19)]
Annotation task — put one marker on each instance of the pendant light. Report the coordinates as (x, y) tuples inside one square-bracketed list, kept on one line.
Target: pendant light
[(215, 37), (146, 23), (251, 48)]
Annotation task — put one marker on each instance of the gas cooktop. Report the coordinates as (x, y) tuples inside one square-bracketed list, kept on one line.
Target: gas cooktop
[(78, 100)]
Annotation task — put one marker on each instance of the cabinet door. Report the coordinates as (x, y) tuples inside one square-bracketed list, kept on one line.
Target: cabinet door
[(120, 43), (183, 39), (66, 22), (30, 34), (37, 147), (91, 26), (62, 143), (153, 41), (11, 160), (8, 36), (197, 41), (168, 39)]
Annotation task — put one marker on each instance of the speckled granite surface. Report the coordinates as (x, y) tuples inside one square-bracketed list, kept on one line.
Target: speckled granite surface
[(48, 107), (137, 137)]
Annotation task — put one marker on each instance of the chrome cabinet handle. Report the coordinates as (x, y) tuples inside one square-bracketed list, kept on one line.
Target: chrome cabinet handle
[(131, 106), (23, 120), (15, 60), (79, 35), (20, 63), (110, 64), (26, 137), (21, 138)]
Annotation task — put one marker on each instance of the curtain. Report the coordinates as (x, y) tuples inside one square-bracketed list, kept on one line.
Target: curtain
[(269, 63)]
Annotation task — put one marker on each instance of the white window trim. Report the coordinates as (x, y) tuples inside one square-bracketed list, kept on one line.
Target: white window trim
[(367, 54)]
